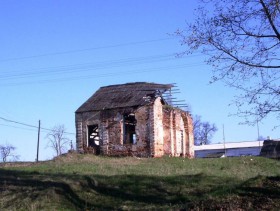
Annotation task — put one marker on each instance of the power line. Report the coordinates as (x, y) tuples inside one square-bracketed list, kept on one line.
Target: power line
[(8, 120), (28, 125), (85, 49), (82, 67), (110, 74), (9, 74), (33, 130), (86, 66)]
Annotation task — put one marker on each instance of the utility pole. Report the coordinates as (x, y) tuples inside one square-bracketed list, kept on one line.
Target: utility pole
[(224, 139), (259, 135), (39, 128)]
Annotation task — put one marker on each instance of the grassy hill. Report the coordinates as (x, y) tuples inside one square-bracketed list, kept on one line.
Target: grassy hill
[(87, 182)]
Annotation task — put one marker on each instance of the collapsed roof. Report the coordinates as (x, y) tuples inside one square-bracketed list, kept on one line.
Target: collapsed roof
[(123, 95)]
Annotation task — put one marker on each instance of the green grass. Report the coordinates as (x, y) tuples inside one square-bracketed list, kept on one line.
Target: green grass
[(87, 182)]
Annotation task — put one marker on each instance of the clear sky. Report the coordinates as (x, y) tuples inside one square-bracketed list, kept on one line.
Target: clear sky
[(56, 54)]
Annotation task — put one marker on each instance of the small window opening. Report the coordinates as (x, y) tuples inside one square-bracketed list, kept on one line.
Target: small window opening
[(93, 136), (129, 129)]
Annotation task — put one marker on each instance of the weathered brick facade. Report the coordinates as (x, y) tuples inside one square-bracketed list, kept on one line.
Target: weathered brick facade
[(150, 129)]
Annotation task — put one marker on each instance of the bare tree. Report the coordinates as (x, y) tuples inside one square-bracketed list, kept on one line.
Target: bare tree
[(207, 132), (7, 151), (242, 41), (196, 129), (57, 139), (203, 131)]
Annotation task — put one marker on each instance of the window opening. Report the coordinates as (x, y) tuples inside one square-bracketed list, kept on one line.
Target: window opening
[(129, 129), (93, 136)]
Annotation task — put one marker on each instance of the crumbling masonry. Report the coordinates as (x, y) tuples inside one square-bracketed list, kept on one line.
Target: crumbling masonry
[(133, 119)]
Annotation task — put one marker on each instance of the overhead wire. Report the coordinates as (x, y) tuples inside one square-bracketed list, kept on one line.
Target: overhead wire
[(18, 127), (110, 74), (88, 66), (85, 49), (66, 70), (71, 69), (29, 125), (78, 67)]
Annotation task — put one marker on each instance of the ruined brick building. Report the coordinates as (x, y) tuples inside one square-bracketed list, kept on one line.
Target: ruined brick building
[(133, 119)]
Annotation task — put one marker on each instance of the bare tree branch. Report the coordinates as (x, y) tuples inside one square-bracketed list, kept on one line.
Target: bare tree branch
[(268, 15), (242, 42)]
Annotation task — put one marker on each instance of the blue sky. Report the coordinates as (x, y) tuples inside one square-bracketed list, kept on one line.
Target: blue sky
[(56, 54)]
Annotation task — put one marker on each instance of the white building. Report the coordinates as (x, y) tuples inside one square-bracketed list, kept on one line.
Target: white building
[(232, 149)]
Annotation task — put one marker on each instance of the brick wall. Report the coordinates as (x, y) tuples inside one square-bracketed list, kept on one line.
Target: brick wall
[(159, 130), (178, 132)]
